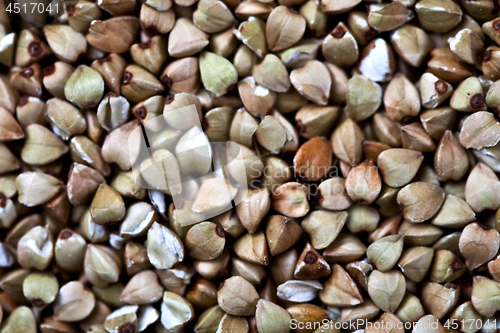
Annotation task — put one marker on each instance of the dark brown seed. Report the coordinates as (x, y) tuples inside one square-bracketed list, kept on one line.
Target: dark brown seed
[(166, 81), (496, 25), (27, 73), (38, 303), (487, 55), (127, 328), (441, 87), (169, 99), (310, 258), (127, 77), (23, 101), (141, 112), (220, 232), (372, 33), (477, 101), (145, 45), (65, 234), (339, 32), (49, 70), (103, 60), (35, 50), (70, 9)]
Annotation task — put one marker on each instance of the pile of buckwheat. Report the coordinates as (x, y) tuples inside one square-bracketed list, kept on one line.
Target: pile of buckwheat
[(219, 166)]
